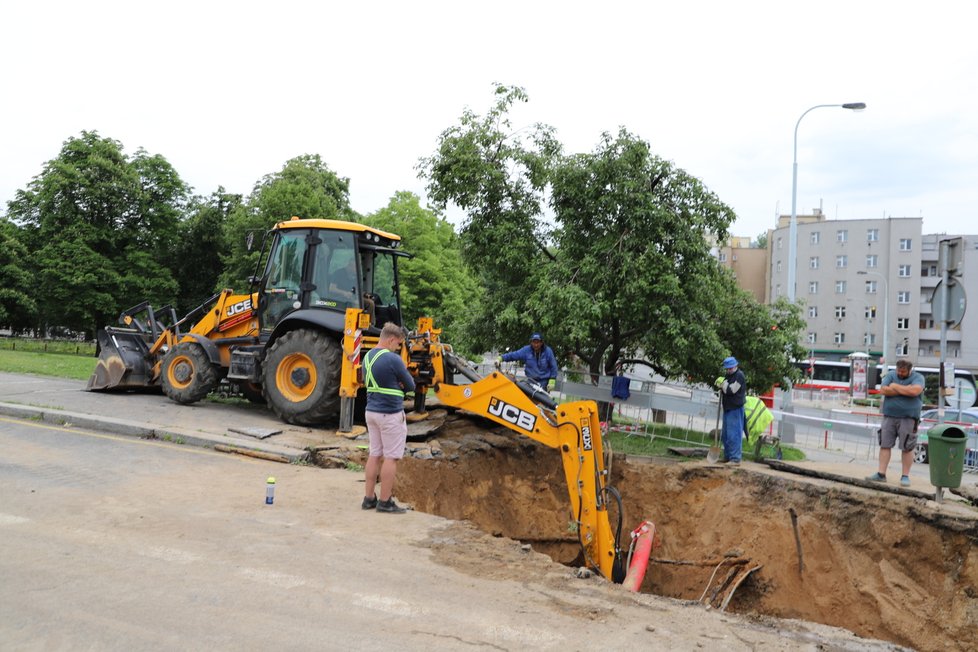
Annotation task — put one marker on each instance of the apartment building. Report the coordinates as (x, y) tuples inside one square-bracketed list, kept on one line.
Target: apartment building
[(856, 277), (748, 262)]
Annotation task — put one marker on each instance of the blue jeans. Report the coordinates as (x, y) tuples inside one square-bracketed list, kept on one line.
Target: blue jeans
[(733, 433)]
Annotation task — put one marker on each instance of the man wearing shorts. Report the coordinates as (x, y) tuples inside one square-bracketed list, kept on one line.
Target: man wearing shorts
[(903, 391), (387, 379)]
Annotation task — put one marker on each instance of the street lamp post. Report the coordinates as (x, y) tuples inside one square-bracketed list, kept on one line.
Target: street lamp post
[(886, 314), (793, 225)]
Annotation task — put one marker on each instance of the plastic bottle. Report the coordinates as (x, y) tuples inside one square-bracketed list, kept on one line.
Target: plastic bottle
[(270, 490)]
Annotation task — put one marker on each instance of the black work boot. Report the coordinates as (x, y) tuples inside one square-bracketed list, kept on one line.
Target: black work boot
[(390, 507), (369, 502)]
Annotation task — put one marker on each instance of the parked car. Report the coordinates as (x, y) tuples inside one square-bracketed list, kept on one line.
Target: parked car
[(967, 419)]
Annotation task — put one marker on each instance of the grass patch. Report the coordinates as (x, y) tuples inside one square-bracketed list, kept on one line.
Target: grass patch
[(666, 437), (32, 345), (61, 365)]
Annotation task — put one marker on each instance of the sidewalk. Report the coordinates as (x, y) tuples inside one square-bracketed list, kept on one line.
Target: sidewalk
[(66, 402)]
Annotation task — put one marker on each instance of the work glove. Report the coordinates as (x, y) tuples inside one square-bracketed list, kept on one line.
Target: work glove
[(551, 384), (719, 381)]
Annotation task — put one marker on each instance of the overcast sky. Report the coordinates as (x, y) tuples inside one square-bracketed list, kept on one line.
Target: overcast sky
[(229, 91)]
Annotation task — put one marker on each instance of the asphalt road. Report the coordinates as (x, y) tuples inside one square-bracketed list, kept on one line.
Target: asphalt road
[(112, 542)]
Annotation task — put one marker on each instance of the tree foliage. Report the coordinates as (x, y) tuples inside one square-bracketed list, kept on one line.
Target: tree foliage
[(434, 281), (202, 247), (17, 305), (92, 221), (606, 252)]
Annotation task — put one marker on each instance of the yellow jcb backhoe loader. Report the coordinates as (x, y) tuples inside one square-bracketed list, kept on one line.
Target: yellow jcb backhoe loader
[(282, 342)]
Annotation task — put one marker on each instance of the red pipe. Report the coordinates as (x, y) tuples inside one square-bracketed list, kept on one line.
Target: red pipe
[(643, 540)]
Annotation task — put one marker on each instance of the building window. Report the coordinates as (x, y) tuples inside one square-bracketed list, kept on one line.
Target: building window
[(869, 338), (870, 287), (840, 287), (926, 323), (813, 237), (902, 347), (904, 271), (903, 323), (723, 258), (870, 312), (872, 235), (872, 260), (812, 337), (840, 338), (906, 244), (813, 311), (841, 261), (813, 287), (813, 262), (840, 312), (777, 290), (903, 296), (929, 271), (779, 243), (841, 235), (779, 266)]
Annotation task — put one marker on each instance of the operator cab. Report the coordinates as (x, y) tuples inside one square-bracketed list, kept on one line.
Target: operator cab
[(329, 265)]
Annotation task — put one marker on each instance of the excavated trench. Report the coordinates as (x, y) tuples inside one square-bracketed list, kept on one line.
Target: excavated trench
[(883, 566)]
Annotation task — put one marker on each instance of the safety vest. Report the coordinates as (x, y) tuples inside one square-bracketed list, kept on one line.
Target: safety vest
[(757, 415), (370, 381)]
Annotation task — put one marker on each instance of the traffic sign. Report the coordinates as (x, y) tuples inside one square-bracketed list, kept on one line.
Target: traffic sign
[(957, 301)]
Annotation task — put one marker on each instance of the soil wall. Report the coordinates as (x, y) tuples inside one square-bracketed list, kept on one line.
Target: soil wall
[(883, 566)]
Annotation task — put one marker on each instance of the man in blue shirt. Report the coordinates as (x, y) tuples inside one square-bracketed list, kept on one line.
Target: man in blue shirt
[(539, 362), (387, 379), (733, 395), (902, 392)]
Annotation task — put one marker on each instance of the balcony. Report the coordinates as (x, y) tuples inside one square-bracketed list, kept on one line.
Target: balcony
[(934, 335)]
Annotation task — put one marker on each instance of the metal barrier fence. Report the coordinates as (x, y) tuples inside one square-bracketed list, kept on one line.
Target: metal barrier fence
[(823, 424)]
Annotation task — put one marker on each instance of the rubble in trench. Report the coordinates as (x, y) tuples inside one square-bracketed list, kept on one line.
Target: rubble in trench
[(883, 566)]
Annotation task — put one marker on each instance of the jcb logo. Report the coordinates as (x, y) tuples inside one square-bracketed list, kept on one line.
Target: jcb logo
[(512, 414), (239, 307), (586, 434)]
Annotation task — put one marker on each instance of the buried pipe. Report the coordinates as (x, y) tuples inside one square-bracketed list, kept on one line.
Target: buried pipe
[(794, 526)]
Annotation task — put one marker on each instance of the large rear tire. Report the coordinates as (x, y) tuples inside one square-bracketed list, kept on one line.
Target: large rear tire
[(187, 373), (301, 379)]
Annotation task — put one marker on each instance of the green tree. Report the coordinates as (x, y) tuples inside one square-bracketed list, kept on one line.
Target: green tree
[(620, 269), (17, 307), (305, 187), (761, 241), (202, 248), (434, 281), (95, 207)]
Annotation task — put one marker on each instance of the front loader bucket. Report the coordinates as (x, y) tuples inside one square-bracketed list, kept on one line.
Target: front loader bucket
[(122, 362)]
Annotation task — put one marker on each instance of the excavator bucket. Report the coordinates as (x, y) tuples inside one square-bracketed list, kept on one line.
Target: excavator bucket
[(123, 361)]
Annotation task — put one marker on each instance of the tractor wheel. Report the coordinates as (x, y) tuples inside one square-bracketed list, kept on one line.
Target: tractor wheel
[(251, 391), (302, 377), (188, 374)]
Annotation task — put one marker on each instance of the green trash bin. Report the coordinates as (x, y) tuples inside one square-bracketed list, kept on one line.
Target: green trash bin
[(945, 450)]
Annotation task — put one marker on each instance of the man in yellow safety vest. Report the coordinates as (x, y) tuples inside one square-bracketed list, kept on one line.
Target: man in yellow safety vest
[(387, 379)]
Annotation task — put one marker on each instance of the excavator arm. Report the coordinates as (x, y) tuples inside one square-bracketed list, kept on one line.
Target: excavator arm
[(573, 429)]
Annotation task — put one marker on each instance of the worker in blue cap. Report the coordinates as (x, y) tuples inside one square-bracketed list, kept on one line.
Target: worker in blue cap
[(733, 395), (540, 364)]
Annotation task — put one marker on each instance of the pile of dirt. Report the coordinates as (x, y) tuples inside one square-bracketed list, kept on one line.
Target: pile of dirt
[(883, 566)]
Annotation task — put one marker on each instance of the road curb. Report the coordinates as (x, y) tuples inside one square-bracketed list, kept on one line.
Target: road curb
[(142, 431)]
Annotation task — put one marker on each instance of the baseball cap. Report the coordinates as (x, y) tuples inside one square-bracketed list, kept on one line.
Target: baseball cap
[(536, 336), (729, 363)]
